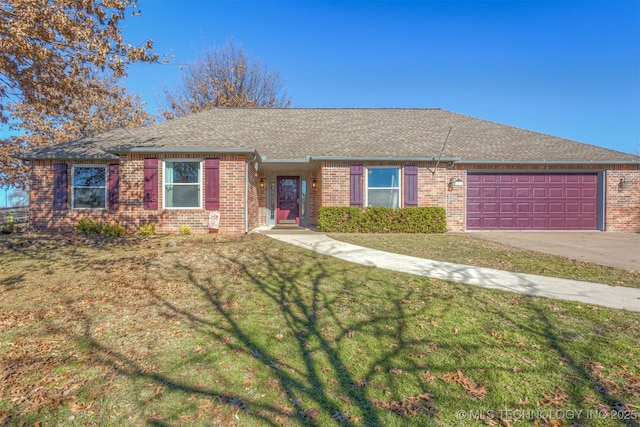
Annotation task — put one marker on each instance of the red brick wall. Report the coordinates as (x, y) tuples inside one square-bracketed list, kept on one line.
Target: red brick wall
[(131, 213), (623, 201)]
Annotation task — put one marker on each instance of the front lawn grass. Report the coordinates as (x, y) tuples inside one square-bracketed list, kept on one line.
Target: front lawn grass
[(212, 330), (483, 253)]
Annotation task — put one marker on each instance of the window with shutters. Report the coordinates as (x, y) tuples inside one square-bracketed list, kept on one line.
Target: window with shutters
[(89, 187), (383, 186), (182, 184)]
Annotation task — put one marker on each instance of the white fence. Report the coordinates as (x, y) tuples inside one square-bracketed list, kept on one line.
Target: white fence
[(19, 214)]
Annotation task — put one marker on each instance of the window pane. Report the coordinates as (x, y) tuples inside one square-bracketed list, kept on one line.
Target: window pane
[(303, 198), (384, 177), (183, 172), (89, 198), (387, 198), (89, 176), (182, 196)]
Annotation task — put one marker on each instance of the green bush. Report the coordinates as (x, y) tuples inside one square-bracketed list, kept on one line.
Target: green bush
[(88, 226), (148, 230), (430, 219), (113, 230), (91, 226), (184, 229), (9, 226)]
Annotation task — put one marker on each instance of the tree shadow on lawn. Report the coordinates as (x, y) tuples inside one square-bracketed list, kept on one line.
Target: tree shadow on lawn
[(583, 365), (317, 378), (314, 381), (300, 308)]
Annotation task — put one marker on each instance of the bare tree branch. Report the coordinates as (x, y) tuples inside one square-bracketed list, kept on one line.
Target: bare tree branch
[(225, 77)]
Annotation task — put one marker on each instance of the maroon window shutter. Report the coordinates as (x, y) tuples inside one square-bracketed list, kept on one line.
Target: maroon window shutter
[(114, 187), (411, 185), (60, 186), (151, 184), (355, 192), (212, 184)]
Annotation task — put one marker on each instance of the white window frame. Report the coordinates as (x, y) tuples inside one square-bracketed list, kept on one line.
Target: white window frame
[(399, 187), (164, 183), (73, 186)]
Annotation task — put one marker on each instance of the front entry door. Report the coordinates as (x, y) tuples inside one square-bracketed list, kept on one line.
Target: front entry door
[(288, 203)]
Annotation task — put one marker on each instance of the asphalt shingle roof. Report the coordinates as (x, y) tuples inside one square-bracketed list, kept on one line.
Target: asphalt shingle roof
[(292, 134)]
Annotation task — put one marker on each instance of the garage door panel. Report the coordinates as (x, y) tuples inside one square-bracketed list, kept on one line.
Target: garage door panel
[(556, 208), (572, 193), (507, 223), (540, 223), (490, 192), (506, 207), (556, 192), (539, 193), (506, 193), (489, 208), (539, 207), (572, 208), (537, 201), (523, 223), (556, 223), (489, 222)]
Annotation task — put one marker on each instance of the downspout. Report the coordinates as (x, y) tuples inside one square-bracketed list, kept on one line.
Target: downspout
[(246, 192)]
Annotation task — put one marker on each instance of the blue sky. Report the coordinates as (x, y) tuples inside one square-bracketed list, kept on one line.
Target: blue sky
[(569, 68), (565, 68)]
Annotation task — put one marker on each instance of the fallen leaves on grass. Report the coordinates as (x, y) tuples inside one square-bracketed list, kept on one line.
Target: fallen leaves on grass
[(558, 399), (410, 406), (428, 377), (473, 389)]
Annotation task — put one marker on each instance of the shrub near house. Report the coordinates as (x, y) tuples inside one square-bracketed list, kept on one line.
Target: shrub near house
[(382, 220)]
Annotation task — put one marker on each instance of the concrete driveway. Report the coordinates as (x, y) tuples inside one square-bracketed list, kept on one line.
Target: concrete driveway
[(606, 248)]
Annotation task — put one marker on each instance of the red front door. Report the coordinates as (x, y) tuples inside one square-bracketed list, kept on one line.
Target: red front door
[(288, 195)]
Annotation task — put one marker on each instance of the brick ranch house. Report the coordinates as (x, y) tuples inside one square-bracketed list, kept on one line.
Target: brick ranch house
[(236, 169)]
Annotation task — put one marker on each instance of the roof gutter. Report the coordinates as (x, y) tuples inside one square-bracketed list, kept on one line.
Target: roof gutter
[(548, 162), (265, 159), (386, 159)]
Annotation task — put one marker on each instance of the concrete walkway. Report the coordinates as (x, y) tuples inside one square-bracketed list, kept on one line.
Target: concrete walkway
[(528, 284)]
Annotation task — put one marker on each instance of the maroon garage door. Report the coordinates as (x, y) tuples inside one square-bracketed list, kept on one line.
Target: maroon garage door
[(530, 201)]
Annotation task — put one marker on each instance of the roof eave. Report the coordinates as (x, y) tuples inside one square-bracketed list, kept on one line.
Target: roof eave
[(106, 156), (174, 150)]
